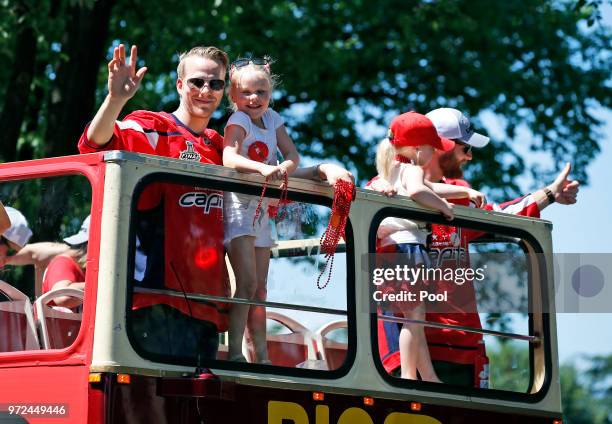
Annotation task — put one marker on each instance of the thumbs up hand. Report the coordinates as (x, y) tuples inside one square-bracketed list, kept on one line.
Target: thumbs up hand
[(564, 189)]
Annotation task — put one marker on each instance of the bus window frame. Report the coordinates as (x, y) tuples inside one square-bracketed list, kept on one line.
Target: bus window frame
[(525, 237), (244, 188), (93, 168)]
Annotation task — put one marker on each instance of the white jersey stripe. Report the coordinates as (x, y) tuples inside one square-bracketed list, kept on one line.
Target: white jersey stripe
[(516, 208), (152, 137)]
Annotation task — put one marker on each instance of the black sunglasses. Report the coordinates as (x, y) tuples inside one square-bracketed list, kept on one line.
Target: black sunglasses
[(467, 149), (199, 83), (244, 61)]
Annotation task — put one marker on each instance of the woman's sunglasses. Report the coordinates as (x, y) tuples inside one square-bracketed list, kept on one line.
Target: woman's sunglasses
[(199, 83)]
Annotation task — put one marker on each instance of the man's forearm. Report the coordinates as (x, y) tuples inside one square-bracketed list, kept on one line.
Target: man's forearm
[(39, 254), (543, 198), (102, 126), (324, 172), (449, 191), (309, 173)]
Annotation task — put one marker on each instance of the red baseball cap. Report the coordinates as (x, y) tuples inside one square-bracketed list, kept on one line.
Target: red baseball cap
[(413, 129)]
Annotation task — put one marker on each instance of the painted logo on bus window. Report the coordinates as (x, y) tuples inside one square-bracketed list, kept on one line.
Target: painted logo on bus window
[(200, 199)]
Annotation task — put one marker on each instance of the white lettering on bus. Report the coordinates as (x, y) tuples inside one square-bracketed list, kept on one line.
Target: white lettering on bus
[(201, 200)]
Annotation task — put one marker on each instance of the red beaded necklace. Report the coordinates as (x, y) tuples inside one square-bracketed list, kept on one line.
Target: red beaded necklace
[(344, 194), (273, 210)]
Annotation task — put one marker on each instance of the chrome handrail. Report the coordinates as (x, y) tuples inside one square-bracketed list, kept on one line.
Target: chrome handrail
[(239, 301), (400, 320)]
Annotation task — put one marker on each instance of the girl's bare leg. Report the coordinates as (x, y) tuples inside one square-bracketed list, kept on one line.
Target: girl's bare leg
[(424, 365), (408, 350), (241, 253), (257, 314), (415, 353)]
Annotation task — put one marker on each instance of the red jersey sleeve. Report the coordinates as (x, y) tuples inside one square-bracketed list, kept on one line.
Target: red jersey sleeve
[(132, 134), (457, 182), (87, 146), (523, 206), (216, 140)]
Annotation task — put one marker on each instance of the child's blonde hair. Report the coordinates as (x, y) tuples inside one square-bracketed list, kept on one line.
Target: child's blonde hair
[(236, 73), (385, 154)]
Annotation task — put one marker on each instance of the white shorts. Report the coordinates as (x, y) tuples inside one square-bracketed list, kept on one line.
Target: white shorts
[(238, 213)]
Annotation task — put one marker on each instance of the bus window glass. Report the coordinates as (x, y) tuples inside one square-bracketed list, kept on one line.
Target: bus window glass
[(458, 301), (196, 279), (502, 301), (44, 250)]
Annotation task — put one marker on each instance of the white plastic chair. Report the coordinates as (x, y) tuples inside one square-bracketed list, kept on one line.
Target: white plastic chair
[(56, 313), (288, 349), (18, 303), (332, 352)]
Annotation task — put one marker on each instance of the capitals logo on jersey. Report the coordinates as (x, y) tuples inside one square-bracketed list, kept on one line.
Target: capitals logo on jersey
[(190, 153)]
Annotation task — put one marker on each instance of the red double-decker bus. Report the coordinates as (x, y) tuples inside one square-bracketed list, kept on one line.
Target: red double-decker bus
[(137, 347)]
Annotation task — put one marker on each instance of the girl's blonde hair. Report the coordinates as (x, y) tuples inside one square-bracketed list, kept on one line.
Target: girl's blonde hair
[(385, 154), (235, 75)]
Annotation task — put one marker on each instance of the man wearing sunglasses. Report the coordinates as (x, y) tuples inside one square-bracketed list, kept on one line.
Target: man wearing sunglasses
[(456, 355), (183, 134), (200, 82)]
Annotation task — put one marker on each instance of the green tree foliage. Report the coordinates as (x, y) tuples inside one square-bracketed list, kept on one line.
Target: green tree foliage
[(509, 366), (601, 373), (585, 396), (582, 401), (346, 68), (52, 51)]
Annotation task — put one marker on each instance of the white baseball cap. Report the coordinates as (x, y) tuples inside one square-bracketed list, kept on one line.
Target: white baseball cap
[(19, 232), (82, 236), (453, 124)]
